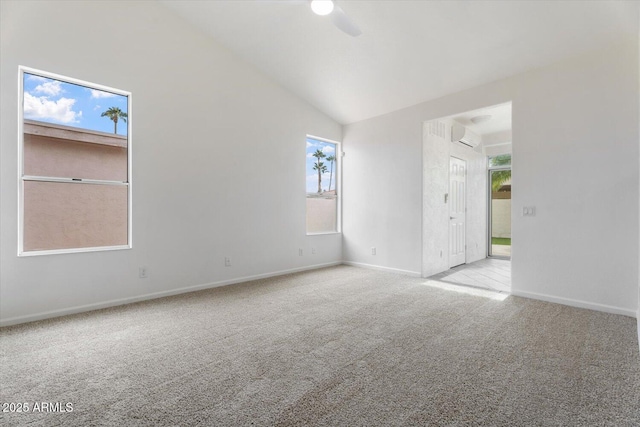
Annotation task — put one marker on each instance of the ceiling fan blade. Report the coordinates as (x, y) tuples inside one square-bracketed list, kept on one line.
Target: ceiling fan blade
[(344, 23)]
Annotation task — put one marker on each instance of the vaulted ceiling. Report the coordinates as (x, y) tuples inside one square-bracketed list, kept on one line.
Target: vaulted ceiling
[(409, 51)]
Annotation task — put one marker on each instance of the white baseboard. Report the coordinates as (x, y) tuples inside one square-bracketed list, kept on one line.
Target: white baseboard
[(387, 269), (576, 303), (122, 301)]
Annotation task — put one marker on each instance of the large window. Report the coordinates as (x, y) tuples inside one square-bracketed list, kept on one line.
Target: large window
[(75, 165), (323, 186)]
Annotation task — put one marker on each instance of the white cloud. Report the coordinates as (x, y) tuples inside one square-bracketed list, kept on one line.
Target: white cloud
[(34, 78), (97, 107), (314, 178), (51, 88), (328, 149), (42, 108), (101, 94)]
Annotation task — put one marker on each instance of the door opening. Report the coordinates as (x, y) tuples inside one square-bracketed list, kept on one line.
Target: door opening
[(457, 198), (499, 206), (457, 211)]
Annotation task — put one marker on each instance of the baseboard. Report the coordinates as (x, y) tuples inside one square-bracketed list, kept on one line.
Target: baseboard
[(122, 301), (380, 268), (638, 328), (576, 303)]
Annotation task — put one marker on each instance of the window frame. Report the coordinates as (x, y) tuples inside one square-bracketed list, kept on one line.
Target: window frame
[(22, 178), (338, 187)]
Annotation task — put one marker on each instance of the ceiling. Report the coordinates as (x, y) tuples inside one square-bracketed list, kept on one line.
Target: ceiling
[(410, 51), (499, 121)]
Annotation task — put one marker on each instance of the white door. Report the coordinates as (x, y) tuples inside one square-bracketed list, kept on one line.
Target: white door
[(457, 211)]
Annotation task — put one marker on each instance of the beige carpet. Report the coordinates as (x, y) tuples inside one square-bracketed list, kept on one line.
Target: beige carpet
[(340, 346)]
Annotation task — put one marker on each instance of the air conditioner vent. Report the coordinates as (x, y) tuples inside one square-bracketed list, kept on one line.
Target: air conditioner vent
[(436, 128), (464, 136)]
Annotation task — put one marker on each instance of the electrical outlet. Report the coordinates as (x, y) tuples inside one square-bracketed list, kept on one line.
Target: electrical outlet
[(528, 211), (300, 252), (143, 272), (313, 251), (227, 261), (373, 251)]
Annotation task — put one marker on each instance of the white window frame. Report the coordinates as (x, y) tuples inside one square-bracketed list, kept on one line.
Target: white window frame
[(70, 180), (338, 170)]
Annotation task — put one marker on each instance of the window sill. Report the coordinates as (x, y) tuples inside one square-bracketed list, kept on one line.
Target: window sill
[(73, 251)]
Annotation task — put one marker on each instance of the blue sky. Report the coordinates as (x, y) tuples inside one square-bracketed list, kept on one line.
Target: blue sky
[(328, 149), (59, 102)]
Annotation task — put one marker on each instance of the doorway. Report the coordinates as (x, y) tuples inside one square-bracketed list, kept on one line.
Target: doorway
[(499, 224), (455, 216)]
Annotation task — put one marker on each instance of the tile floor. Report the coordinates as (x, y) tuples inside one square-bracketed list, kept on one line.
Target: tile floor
[(488, 273), (501, 250)]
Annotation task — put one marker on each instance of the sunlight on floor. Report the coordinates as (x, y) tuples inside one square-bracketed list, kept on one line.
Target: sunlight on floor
[(498, 296), (492, 274)]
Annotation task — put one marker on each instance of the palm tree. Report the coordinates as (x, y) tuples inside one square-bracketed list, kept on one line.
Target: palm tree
[(320, 167), (331, 159), (498, 178), (115, 113)]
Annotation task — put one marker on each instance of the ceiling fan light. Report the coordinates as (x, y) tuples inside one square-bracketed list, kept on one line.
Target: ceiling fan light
[(322, 7)]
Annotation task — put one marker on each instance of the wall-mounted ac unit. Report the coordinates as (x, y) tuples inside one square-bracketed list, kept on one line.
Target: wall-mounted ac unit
[(463, 135)]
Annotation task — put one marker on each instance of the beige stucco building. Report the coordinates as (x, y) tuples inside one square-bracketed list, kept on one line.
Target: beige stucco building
[(63, 215)]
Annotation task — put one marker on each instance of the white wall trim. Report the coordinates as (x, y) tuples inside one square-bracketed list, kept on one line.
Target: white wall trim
[(123, 301), (129, 300), (381, 268), (576, 303)]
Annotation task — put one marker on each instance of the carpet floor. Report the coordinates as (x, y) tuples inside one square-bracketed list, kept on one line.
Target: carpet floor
[(340, 346)]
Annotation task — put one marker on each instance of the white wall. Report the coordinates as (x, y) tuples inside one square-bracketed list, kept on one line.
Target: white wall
[(435, 184), (382, 193), (204, 126), (575, 129), (497, 143), (501, 218)]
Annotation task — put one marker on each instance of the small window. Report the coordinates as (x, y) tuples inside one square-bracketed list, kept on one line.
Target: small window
[(323, 201), (75, 168)]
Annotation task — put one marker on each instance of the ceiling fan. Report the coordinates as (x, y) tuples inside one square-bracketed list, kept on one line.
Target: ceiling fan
[(337, 15)]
